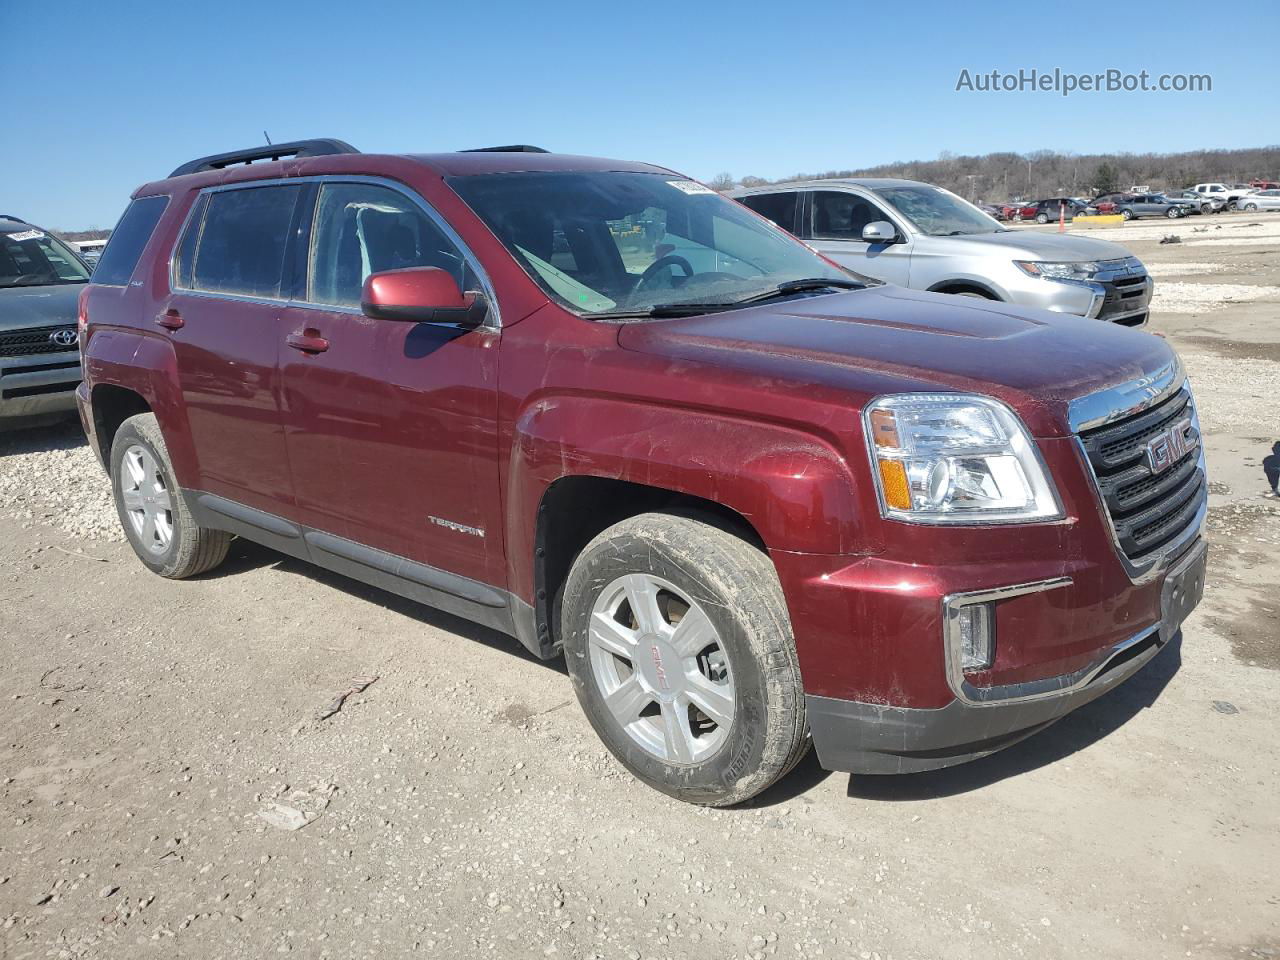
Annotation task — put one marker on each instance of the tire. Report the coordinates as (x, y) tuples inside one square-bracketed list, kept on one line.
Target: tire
[(1042, 218), (152, 509), (1127, 214), (977, 295), (1173, 213), (737, 657), (1250, 207)]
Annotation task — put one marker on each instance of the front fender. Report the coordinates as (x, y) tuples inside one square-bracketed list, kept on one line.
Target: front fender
[(795, 489)]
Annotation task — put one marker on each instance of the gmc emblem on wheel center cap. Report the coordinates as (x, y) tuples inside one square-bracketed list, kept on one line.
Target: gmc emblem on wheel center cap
[(1167, 448)]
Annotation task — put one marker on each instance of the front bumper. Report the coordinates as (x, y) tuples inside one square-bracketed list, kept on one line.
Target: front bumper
[(1120, 294), (875, 738), (31, 386)]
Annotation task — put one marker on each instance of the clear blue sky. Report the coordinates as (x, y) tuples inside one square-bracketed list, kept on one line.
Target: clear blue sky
[(102, 96)]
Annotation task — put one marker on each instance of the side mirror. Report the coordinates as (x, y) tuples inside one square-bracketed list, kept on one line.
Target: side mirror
[(420, 295), (881, 231)]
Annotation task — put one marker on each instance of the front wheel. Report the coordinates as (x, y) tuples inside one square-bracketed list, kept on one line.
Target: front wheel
[(1251, 207), (1127, 214), (1174, 213), (152, 510), (1042, 218), (680, 650)]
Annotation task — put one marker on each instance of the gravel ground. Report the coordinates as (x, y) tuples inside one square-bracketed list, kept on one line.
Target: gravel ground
[(162, 737)]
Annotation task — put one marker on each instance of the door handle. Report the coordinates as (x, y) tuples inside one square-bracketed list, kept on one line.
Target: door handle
[(308, 341), (171, 319)]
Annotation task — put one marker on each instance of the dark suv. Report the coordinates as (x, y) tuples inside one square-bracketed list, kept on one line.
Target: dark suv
[(755, 500), (40, 279)]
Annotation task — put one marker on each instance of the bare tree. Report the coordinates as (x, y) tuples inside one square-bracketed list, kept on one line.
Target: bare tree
[(722, 182)]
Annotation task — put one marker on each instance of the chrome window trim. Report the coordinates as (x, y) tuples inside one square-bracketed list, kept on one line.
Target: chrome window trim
[(493, 317), (999, 696)]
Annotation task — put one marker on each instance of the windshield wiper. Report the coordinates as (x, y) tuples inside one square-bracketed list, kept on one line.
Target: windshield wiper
[(788, 287), (784, 289)]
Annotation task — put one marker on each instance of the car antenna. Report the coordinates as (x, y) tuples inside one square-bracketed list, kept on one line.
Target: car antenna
[(267, 138)]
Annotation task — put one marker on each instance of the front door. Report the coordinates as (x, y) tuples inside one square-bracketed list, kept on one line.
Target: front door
[(834, 228), (223, 316), (391, 427)]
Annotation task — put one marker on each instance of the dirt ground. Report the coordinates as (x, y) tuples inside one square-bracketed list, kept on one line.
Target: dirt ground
[(461, 806)]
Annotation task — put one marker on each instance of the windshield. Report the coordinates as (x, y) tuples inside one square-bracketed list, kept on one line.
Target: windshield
[(937, 212), (31, 258), (617, 242)]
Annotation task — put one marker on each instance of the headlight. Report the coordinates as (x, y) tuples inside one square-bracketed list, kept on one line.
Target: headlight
[(1083, 270), (956, 458)]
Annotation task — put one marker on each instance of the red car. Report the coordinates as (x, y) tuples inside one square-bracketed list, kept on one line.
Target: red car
[(754, 500)]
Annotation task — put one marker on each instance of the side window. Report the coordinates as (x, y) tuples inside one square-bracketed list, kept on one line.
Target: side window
[(361, 229), (778, 207), (128, 239), (841, 216), (184, 260), (241, 248)]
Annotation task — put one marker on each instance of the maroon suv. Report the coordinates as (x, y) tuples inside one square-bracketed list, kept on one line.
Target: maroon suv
[(753, 499)]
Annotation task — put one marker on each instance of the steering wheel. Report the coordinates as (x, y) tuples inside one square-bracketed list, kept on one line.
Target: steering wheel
[(670, 260)]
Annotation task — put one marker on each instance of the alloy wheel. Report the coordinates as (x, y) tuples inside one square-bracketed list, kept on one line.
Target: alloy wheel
[(147, 500), (661, 668)]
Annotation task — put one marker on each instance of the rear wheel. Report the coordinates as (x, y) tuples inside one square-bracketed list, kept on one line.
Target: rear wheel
[(681, 654), (151, 507)]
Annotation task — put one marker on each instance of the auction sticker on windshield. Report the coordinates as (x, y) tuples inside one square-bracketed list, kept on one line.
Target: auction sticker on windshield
[(26, 235), (690, 187)]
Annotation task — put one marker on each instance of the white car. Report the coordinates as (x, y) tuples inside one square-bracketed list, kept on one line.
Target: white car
[(1222, 191), (1262, 200)]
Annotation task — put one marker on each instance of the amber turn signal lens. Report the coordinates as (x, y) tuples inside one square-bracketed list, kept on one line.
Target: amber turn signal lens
[(893, 480), (884, 428)]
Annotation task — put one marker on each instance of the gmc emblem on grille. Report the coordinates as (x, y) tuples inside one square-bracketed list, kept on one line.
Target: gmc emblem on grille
[(1167, 448)]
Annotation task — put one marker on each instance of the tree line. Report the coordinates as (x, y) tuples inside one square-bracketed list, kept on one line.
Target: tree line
[(994, 177)]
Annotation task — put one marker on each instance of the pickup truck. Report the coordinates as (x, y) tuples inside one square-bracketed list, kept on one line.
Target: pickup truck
[(756, 502)]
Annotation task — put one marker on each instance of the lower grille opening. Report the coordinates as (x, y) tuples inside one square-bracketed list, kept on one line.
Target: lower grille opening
[(19, 392), (41, 367), (1128, 655)]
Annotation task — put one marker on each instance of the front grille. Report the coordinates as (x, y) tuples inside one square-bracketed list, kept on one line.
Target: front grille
[(1147, 509), (29, 343)]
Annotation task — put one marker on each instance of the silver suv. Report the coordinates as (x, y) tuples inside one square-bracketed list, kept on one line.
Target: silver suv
[(918, 235)]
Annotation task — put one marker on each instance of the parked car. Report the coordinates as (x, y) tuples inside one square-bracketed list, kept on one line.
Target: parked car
[(917, 235), (90, 250), (40, 278), (1152, 205), (754, 500), (1200, 203), (993, 210), (1221, 191), (1262, 200), (1264, 184), (1109, 202), (1049, 211), (1025, 211)]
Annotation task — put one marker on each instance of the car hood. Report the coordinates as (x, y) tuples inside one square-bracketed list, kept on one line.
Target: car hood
[(891, 339), (1030, 245), (49, 306)]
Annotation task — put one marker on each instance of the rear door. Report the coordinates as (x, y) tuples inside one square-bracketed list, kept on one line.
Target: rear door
[(223, 315), (835, 220), (782, 208), (391, 427)]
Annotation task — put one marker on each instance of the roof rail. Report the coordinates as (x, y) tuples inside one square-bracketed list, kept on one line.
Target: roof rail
[(10, 216), (511, 148), (271, 151)]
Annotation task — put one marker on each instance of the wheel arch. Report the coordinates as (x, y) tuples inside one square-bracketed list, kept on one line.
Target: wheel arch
[(966, 285)]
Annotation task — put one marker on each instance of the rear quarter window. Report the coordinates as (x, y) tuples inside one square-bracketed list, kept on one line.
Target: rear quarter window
[(778, 207), (128, 240)]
